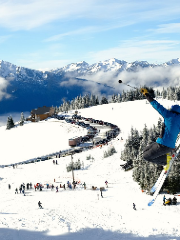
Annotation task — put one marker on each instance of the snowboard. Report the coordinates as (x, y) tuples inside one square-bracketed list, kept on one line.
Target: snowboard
[(164, 174)]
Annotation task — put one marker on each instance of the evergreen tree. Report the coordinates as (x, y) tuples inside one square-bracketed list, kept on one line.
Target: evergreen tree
[(10, 123), (97, 100), (164, 94), (104, 100), (159, 127), (21, 123), (177, 94), (145, 134), (130, 96)]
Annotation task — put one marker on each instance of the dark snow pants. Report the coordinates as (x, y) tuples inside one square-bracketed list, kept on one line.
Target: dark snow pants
[(156, 153)]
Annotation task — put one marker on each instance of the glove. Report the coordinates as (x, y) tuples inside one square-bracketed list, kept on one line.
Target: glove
[(144, 91)]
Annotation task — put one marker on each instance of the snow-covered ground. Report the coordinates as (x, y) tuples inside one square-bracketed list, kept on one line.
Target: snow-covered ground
[(81, 213)]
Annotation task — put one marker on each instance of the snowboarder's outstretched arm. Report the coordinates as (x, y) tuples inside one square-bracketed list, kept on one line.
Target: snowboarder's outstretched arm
[(161, 110)]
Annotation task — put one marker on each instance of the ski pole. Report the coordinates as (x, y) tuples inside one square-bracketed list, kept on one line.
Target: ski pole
[(120, 81)]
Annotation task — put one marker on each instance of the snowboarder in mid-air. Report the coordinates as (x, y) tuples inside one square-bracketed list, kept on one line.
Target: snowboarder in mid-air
[(39, 204), (160, 152)]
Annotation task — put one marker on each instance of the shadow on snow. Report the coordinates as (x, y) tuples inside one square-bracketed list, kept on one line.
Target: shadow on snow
[(84, 234)]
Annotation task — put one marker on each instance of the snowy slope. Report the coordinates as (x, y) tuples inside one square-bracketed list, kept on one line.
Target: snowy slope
[(80, 214)]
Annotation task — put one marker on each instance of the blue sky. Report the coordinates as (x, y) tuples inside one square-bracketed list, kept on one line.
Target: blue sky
[(48, 34)]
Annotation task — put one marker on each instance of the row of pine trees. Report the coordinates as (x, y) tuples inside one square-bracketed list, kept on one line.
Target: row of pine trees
[(171, 93)]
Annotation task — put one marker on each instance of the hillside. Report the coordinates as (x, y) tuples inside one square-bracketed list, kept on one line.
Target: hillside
[(81, 213)]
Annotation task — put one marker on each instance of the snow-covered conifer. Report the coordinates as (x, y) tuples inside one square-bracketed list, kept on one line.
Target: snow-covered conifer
[(10, 123), (21, 123), (104, 100)]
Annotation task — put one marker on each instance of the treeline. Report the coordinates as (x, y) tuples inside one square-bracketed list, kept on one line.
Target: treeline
[(146, 173), (93, 100), (171, 93)]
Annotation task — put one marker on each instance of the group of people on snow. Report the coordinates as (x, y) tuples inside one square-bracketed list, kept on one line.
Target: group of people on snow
[(169, 201), (22, 188)]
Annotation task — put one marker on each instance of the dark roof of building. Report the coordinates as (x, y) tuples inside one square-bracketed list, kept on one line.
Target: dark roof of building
[(41, 110)]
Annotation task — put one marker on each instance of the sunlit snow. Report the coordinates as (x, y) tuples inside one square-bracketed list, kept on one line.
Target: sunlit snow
[(81, 213)]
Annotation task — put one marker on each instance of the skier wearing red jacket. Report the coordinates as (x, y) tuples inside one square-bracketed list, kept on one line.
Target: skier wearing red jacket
[(159, 152)]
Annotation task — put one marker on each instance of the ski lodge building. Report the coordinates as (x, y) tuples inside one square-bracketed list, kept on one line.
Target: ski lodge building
[(41, 113)]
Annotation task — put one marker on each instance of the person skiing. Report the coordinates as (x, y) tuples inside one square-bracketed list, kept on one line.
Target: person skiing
[(159, 152), (39, 204)]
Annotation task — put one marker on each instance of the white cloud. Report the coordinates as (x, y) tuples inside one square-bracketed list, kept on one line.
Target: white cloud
[(25, 15), (3, 86), (153, 77), (150, 77), (70, 33), (89, 86), (166, 28), (90, 29)]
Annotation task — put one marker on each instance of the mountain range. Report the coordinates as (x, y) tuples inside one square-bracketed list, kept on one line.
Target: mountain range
[(112, 65), (22, 89)]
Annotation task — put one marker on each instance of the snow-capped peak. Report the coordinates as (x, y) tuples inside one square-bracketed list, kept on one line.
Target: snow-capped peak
[(76, 66), (173, 61)]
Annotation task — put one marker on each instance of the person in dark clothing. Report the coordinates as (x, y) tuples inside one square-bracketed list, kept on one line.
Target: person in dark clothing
[(23, 192), (174, 200), (39, 204), (101, 193), (159, 152), (134, 206)]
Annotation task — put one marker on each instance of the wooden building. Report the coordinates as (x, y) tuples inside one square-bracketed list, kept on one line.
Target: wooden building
[(41, 113), (75, 141)]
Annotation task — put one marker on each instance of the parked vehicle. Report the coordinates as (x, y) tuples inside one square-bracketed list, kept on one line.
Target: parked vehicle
[(67, 120)]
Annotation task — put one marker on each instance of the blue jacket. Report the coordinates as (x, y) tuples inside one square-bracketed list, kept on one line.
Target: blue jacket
[(172, 125)]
